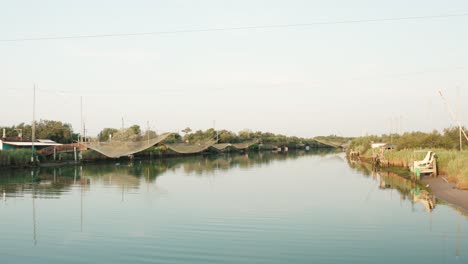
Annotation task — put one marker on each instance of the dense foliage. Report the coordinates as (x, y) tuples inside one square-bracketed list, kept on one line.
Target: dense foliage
[(446, 145), (224, 136), (45, 129), (448, 139), (16, 158)]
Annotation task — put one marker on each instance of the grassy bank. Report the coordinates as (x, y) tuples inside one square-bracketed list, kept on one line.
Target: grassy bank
[(15, 158), (450, 162)]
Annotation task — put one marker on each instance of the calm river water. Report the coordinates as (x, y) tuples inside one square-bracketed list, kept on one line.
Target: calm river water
[(256, 208)]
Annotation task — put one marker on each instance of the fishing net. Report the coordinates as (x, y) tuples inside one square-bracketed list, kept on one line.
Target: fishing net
[(239, 146), (328, 143), (245, 145), (119, 148), (222, 146), (184, 148)]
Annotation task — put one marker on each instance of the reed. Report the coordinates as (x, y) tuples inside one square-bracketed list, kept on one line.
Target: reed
[(453, 163), (15, 158)]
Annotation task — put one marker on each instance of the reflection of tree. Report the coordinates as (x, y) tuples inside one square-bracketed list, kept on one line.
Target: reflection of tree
[(409, 189), (45, 183), (52, 182)]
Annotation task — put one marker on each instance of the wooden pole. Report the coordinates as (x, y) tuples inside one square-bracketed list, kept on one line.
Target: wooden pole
[(453, 115), (33, 129)]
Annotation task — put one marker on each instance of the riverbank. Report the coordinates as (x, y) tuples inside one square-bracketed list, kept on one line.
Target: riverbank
[(447, 191), (450, 163), (440, 186), (93, 157)]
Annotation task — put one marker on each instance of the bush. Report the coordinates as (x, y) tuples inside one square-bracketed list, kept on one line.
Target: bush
[(15, 158)]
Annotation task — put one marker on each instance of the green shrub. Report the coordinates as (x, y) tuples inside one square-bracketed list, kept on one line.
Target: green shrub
[(15, 158)]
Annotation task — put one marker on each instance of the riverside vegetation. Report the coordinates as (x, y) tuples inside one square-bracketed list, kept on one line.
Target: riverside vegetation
[(413, 146), (63, 133), (15, 158)]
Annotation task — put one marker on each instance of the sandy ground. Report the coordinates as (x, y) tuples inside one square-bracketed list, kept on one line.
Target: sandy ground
[(446, 191)]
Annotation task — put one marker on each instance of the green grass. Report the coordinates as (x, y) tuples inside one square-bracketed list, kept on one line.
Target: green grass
[(457, 170), (15, 158), (451, 162)]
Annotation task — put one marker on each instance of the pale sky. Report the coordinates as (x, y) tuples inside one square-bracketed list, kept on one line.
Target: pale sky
[(344, 78)]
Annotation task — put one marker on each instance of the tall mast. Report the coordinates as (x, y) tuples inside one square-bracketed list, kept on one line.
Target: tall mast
[(81, 116), (459, 117), (453, 115), (33, 129), (148, 131)]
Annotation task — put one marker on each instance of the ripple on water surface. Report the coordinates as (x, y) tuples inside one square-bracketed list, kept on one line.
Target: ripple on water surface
[(271, 208)]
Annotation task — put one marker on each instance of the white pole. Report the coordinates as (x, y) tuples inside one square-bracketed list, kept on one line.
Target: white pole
[(453, 115), (81, 117), (214, 127), (33, 129), (459, 117), (401, 118)]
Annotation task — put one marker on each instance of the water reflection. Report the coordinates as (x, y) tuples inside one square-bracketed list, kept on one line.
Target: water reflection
[(401, 180), (409, 189), (50, 183), (262, 207)]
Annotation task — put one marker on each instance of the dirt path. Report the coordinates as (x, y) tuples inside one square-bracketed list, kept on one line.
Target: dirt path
[(446, 191)]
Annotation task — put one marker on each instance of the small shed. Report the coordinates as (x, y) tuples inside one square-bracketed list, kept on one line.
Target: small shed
[(20, 143)]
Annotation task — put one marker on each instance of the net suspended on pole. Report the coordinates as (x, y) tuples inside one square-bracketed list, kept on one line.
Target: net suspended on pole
[(239, 146), (120, 148), (184, 148), (245, 145), (222, 146)]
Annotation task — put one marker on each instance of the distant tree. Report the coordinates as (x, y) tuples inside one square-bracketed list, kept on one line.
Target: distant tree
[(54, 130), (452, 138), (9, 132), (106, 133), (45, 129), (187, 130), (226, 136), (174, 138), (132, 133), (149, 134), (136, 130), (245, 134)]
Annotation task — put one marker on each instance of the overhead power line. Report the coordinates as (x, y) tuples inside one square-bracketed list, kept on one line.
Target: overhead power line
[(233, 28)]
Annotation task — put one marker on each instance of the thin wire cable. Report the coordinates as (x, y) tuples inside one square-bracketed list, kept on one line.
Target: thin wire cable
[(177, 92), (234, 28)]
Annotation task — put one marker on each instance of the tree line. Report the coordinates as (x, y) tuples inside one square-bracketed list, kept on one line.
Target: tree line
[(63, 133), (223, 136), (45, 129), (447, 139)]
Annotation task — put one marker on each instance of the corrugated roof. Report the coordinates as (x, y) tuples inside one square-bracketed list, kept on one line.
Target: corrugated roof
[(23, 144), (46, 141)]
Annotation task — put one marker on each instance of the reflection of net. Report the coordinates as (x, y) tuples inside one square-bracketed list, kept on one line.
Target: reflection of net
[(184, 148), (116, 148), (239, 146)]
